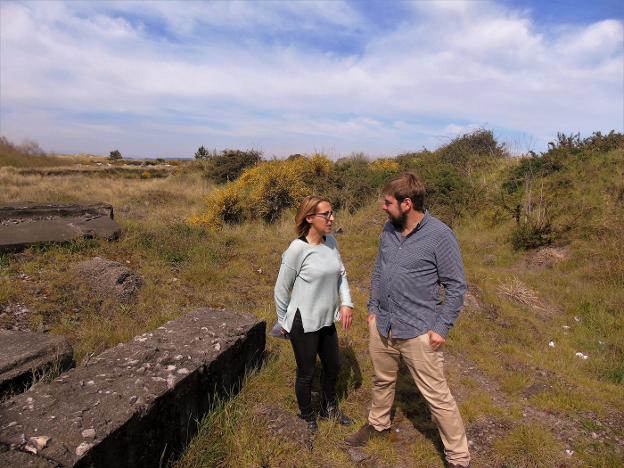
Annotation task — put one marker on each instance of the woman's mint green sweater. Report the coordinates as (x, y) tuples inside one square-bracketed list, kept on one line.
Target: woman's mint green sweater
[(311, 279)]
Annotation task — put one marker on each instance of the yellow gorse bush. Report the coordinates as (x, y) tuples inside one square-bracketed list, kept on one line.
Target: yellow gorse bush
[(385, 165), (264, 191)]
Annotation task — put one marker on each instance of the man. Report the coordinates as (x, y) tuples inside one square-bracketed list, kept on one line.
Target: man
[(407, 318)]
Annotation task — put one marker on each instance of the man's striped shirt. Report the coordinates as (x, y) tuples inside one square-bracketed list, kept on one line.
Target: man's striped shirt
[(405, 286)]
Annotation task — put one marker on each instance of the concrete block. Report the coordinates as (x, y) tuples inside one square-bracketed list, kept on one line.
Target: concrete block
[(24, 224), (26, 355), (137, 403)]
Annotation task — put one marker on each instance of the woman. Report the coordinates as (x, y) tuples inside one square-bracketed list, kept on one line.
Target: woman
[(310, 283)]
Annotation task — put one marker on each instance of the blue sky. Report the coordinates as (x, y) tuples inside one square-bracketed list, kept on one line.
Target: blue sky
[(159, 79)]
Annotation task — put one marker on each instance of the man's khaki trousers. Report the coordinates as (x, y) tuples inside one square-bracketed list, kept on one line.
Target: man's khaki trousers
[(427, 369)]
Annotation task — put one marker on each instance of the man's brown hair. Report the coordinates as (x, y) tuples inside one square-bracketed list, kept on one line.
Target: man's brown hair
[(407, 185)]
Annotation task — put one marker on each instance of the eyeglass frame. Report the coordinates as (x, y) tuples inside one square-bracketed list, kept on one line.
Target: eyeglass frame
[(326, 215)]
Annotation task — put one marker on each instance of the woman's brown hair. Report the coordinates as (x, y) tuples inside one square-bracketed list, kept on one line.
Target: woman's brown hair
[(307, 208)]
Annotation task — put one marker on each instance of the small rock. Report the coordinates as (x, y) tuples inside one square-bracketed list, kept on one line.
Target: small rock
[(577, 319), (12, 423), (551, 344), (88, 433), (40, 442), (171, 368), (83, 448), (594, 435), (217, 347), (565, 327), (170, 381), (569, 452), (133, 399), (30, 448), (183, 371), (582, 356)]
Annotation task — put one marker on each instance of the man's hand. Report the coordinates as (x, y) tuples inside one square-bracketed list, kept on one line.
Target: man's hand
[(435, 340), (346, 316), (371, 318)]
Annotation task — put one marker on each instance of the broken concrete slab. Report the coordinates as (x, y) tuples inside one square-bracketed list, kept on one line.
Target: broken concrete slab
[(109, 280), (141, 401), (27, 355), (24, 224)]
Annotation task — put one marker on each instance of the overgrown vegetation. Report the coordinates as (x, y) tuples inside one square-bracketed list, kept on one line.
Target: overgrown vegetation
[(524, 402), (226, 165)]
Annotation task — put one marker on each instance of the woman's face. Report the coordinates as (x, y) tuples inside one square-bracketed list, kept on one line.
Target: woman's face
[(323, 219)]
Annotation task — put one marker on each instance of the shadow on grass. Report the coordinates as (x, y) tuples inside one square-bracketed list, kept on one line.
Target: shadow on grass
[(349, 376), (414, 406)]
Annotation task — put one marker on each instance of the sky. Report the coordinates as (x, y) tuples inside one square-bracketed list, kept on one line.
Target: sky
[(159, 79)]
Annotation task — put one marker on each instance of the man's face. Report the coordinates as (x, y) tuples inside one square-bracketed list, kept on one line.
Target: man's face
[(397, 213)]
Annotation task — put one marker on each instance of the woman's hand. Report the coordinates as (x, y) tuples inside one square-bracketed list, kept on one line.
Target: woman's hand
[(346, 316)]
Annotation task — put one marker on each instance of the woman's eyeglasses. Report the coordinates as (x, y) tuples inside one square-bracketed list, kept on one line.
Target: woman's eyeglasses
[(326, 214)]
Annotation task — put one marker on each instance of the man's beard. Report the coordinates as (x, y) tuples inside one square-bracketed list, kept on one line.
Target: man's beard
[(400, 221)]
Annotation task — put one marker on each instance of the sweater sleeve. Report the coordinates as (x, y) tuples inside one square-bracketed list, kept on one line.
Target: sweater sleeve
[(343, 287), (285, 280), (343, 283)]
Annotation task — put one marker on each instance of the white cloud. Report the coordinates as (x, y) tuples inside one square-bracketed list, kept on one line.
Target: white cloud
[(451, 67)]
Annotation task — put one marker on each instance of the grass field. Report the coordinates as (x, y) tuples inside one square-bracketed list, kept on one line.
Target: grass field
[(524, 402)]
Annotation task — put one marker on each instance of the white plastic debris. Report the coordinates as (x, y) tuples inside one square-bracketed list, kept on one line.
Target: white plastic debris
[(569, 452), (582, 356), (551, 344), (577, 319)]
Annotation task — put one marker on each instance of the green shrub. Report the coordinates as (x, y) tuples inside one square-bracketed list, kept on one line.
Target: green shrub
[(472, 151), (229, 164), (532, 234), (115, 155)]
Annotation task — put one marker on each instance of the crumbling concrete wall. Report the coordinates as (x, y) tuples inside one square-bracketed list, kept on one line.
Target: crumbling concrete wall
[(139, 402), (24, 224)]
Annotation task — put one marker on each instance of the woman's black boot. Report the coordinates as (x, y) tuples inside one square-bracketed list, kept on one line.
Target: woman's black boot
[(331, 411), (310, 419)]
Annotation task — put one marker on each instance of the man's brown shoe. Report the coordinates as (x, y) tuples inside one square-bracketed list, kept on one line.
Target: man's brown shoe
[(366, 432)]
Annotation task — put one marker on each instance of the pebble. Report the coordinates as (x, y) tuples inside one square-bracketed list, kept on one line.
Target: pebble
[(88, 433), (83, 448), (217, 347), (551, 344), (183, 371)]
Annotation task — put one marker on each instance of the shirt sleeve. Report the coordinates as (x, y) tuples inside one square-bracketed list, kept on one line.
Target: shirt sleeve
[(451, 276), (373, 302), (285, 280)]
